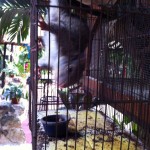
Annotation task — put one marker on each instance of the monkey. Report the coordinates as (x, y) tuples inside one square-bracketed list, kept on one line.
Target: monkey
[(66, 36)]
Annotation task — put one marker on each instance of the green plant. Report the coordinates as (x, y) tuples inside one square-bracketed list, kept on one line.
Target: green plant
[(10, 69), (12, 91), (23, 60), (16, 67), (126, 120), (15, 19)]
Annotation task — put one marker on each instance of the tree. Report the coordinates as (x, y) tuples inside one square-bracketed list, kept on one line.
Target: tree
[(14, 19)]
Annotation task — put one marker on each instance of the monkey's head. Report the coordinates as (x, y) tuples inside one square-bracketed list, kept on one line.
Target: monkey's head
[(69, 72)]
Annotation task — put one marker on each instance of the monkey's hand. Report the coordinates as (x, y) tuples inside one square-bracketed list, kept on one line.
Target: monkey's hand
[(43, 25), (53, 27)]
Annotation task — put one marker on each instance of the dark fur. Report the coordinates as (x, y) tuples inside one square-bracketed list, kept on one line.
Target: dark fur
[(72, 35)]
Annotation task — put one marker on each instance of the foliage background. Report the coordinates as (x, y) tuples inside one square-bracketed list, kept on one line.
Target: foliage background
[(14, 19)]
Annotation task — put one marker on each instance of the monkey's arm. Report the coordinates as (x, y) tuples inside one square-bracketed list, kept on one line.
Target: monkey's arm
[(43, 25), (52, 27)]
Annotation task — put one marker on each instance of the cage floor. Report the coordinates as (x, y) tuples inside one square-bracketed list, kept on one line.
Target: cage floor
[(87, 133)]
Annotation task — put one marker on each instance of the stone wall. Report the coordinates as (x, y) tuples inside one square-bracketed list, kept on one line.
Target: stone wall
[(10, 124)]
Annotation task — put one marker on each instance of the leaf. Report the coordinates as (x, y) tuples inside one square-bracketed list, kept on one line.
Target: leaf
[(126, 120), (18, 26), (12, 91), (8, 19), (135, 128), (64, 98), (15, 3), (1, 12), (25, 27), (120, 124), (9, 24)]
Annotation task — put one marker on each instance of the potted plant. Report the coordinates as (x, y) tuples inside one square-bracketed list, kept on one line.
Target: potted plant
[(10, 69), (13, 92), (9, 72)]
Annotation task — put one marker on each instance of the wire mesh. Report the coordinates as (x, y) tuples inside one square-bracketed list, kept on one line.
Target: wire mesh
[(96, 83)]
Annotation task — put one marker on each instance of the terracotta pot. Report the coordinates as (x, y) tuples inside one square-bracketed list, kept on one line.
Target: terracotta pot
[(15, 101), (11, 75)]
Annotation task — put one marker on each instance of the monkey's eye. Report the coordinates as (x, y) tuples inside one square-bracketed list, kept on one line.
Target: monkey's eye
[(69, 69)]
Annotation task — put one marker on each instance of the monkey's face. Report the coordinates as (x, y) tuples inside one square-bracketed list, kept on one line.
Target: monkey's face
[(69, 72)]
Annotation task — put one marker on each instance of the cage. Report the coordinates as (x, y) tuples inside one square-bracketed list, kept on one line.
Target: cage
[(91, 66)]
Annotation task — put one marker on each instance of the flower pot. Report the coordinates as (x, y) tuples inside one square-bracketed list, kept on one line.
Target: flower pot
[(55, 125), (15, 100), (11, 75)]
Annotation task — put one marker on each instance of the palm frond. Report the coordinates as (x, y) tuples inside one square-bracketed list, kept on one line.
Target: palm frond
[(25, 27), (15, 3), (14, 28), (1, 12), (9, 24), (19, 27), (14, 18), (6, 20)]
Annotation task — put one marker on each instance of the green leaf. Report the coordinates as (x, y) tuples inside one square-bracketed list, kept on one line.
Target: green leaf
[(126, 120), (6, 21), (134, 128), (25, 26), (19, 27), (15, 3), (12, 12), (1, 12), (9, 24)]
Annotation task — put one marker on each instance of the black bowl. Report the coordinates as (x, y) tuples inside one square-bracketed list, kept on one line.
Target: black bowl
[(55, 125)]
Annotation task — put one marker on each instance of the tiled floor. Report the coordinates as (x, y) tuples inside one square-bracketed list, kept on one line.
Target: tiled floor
[(25, 146), (25, 126)]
